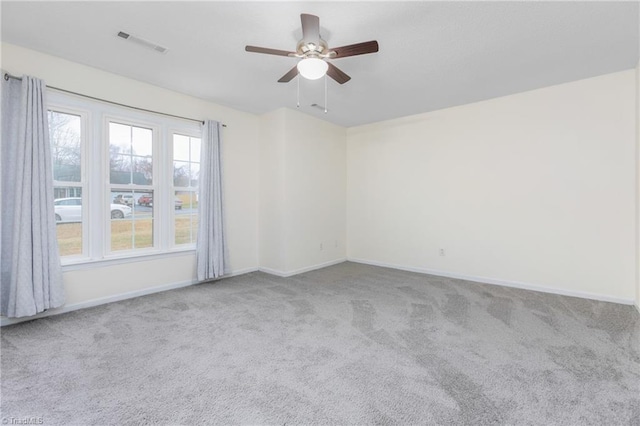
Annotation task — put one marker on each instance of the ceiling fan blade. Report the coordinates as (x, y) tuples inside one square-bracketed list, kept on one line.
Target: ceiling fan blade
[(289, 76), (355, 49), (337, 74), (310, 28), (268, 51)]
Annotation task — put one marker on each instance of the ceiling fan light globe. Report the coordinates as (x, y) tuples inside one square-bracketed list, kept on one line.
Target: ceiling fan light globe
[(312, 68)]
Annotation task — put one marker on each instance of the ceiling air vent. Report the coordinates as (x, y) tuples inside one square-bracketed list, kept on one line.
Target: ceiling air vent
[(142, 42)]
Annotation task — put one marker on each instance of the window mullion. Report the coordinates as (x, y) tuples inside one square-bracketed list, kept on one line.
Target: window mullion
[(168, 180), (101, 200)]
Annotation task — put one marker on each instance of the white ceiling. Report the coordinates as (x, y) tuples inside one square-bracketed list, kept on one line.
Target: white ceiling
[(432, 54)]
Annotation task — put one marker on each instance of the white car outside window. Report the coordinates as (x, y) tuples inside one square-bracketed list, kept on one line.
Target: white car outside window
[(70, 210)]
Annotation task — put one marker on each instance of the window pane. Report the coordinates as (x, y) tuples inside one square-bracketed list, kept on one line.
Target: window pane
[(195, 174), (131, 223), (143, 228), (130, 154), (120, 169), (186, 217), (121, 234), (141, 143), (68, 213), (65, 136), (180, 173), (180, 147), (142, 170), (195, 149), (194, 228), (119, 138)]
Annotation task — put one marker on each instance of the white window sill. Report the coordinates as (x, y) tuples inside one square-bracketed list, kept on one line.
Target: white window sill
[(83, 264)]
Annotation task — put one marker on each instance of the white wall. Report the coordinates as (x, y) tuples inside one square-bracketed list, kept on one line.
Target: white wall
[(534, 189), (272, 191), (303, 192), (239, 158), (315, 199)]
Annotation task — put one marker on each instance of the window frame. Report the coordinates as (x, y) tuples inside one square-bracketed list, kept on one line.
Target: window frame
[(85, 123), (182, 132), (110, 187), (96, 189)]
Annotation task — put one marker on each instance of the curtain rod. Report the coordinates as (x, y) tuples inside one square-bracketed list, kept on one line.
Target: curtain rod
[(7, 76)]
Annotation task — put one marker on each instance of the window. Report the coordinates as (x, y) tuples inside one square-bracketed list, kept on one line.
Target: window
[(130, 176), (125, 181), (66, 135), (186, 173)]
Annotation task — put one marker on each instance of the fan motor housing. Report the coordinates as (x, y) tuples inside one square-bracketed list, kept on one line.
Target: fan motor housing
[(310, 48)]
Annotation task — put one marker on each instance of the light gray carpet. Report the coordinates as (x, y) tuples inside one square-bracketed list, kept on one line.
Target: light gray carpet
[(348, 344)]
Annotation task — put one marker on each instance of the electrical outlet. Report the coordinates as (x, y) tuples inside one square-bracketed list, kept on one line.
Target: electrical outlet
[(441, 252), (321, 247), (336, 244)]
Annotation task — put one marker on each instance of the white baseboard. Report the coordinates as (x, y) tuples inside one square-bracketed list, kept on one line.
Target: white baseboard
[(143, 292), (494, 281), (240, 272), (115, 298), (275, 272), (286, 274)]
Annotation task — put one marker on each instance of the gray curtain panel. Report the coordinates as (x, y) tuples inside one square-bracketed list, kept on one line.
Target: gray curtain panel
[(211, 248), (30, 266)]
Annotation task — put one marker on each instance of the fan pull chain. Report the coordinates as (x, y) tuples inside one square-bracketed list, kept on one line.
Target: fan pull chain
[(325, 93), (298, 104)]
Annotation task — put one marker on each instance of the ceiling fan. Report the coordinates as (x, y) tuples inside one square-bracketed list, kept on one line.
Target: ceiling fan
[(314, 52)]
